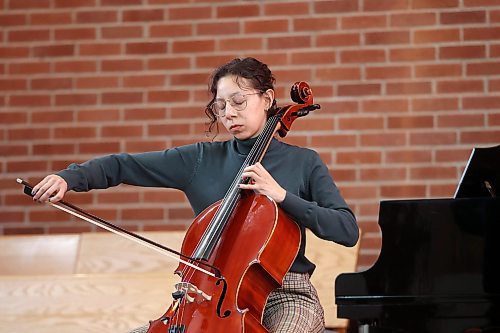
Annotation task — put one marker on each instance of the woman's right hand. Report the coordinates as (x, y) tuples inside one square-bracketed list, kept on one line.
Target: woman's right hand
[(52, 188)]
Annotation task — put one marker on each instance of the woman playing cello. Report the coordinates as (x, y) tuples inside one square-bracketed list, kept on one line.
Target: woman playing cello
[(294, 177)]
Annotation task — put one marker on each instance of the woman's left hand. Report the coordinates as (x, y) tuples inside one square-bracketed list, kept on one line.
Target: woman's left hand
[(262, 182)]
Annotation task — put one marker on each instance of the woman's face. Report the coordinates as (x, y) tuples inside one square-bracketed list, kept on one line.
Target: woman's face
[(241, 108)]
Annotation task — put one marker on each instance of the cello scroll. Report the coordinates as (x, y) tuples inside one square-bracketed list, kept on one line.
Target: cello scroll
[(301, 94)]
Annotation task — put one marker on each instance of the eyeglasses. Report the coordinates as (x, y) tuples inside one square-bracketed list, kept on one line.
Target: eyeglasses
[(237, 101)]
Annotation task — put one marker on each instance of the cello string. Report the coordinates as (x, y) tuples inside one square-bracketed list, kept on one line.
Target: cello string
[(256, 152), (183, 302), (227, 206), (233, 196)]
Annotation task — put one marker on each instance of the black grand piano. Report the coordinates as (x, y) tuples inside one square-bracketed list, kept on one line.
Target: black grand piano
[(439, 266)]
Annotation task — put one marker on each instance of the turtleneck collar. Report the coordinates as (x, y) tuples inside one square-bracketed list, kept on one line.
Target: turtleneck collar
[(243, 147)]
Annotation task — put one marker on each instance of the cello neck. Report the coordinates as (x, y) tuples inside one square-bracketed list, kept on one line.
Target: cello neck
[(213, 232)]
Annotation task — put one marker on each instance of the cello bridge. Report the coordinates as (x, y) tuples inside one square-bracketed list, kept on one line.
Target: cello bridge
[(189, 288)]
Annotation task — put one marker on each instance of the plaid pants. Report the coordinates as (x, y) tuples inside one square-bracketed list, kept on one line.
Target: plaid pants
[(293, 308)]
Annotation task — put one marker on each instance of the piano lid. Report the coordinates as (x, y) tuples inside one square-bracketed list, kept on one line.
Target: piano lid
[(481, 177)]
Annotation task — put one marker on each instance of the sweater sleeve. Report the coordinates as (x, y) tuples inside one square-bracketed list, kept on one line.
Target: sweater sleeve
[(172, 168), (326, 214)]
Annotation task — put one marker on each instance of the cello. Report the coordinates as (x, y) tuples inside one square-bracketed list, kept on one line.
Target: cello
[(236, 251)]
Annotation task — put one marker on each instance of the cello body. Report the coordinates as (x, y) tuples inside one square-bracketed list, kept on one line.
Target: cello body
[(255, 251)]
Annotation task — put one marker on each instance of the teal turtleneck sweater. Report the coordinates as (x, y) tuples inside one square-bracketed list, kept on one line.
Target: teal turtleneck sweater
[(204, 171)]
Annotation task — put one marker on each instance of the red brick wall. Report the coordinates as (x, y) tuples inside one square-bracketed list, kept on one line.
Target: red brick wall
[(407, 88)]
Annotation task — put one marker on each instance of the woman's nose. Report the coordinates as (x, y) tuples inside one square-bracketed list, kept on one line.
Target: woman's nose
[(230, 111)]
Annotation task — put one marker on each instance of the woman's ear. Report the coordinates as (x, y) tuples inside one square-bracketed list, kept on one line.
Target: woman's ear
[(269, 96)]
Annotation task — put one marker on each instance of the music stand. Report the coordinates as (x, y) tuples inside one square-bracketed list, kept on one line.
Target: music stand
[(481, 177)]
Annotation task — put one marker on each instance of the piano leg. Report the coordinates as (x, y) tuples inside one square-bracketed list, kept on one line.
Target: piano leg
[(364, 328), (374, 327)]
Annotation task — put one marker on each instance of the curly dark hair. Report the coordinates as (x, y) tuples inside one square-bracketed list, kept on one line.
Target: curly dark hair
[(257, 73)]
